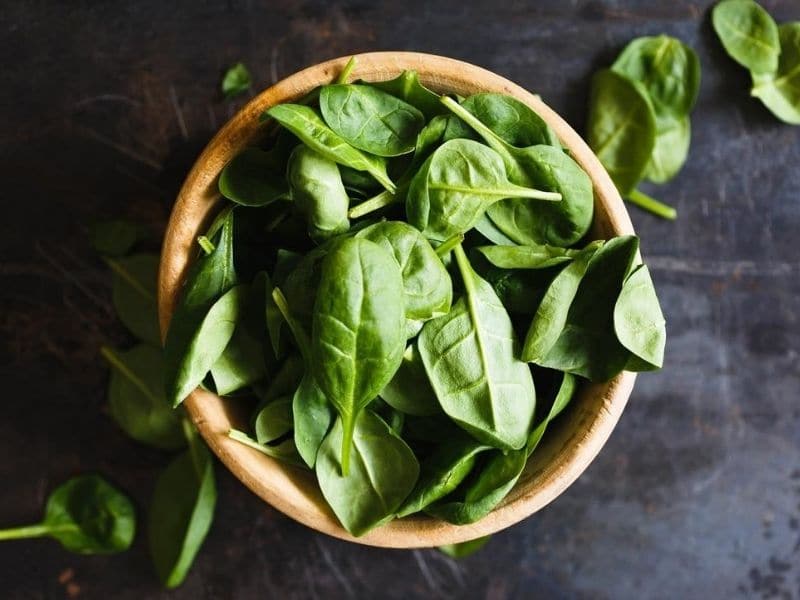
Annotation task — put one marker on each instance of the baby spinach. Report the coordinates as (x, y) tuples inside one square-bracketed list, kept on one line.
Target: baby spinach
[(464, 549), (136, 399), (241, 363), (358, 332), (370, 119), (86, 515), (673, 136), (284, 451), (273, 420), (470, 357), (308, 126), (565, 393), (382, 472), (540, 256), (780, 91), (427, 288), (236, 81), (318, 193), (181, 512), (455, 186), (748, 33), (409, 390), (133, 293), (408, 87), (253, 179), (541, 166), (115, 237), (638, 322)]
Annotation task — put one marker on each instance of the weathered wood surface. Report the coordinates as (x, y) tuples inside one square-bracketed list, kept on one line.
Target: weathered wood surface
[(697, 494)]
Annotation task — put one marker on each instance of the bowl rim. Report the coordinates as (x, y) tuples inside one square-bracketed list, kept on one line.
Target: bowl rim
[(284, 487)]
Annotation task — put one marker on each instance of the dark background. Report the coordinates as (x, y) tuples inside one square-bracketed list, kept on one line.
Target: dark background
[(106, 104)]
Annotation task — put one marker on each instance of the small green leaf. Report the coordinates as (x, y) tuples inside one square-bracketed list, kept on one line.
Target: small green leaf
[(236, 81)]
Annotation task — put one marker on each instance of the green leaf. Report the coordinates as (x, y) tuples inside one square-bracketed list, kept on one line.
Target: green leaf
[(241, 363), (540, 256), (671, 149), (370, 119), (253, 178), (748, 33), (236, 81), (464, 549), (274, 420), (622, 128), (566, 391), (409, 390), (470, 357), (638, 321), (309, 127), (408, 87), (382, 473), (86, 515), (181, 513), (136, 397), (780, 91), (114, 238), (312, 416), (133, 293)]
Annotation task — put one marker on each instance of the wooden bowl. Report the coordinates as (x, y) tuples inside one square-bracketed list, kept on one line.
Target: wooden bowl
[(568, 447)]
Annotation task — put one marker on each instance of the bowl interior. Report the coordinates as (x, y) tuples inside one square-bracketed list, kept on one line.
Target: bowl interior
[(568, 447)]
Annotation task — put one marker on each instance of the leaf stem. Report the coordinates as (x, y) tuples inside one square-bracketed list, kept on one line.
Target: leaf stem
[(446, 246), (652, 205), (205, 244), (299, 334), (348, 427), (27, 531), (465, 269), (385, 198), (348, 68), (129, 279)]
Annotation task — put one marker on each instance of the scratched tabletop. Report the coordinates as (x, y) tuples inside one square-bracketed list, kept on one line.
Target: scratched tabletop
[(104, 107)]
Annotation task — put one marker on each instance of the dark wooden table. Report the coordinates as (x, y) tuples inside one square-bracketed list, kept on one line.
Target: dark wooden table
[(105, 106)]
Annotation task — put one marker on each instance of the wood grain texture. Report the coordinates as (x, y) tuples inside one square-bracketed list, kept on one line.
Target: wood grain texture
[(566, 451)]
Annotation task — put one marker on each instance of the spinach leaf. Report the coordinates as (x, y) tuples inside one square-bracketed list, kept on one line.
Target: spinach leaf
[(274, 420), (382, 473), (409, 390), (309, 127), (464, 549), (181, 512), (671, 149), (358, 332), (87, 515), (136, 399), (748, 33), (241, 363), (542, 166), (408, 87), (360, 182), (470, 357), (114, 238), (780, 91), (284, 451), (638, 321), (442, 473), (318, 193), (588, 346), (539, 256), (486, 227), (252, 178), (133, 293), (621, 128), (427, 288), (236, 81), (370, 119), (566, 391), (551, 316), (197, 334), (455, 186)]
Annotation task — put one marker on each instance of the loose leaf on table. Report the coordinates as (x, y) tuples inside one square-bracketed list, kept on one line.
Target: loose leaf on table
[(383, 471), (673, 137), (133, 293), (86, 515), (253, 178), (114, 238), (464, 549), (551, 317), (318, 193), (308, 126), (236, 81), (204, 319), (780, 91), (442, 472), (588, 345), (370, 119), (544, 167), (470, 355), (456, 185), (621, 128), (540, 256), (136, 397), (408, 87), (638, 321), (181, 512), (358, 328), (428, 290), (748, 33), (409, 390)]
